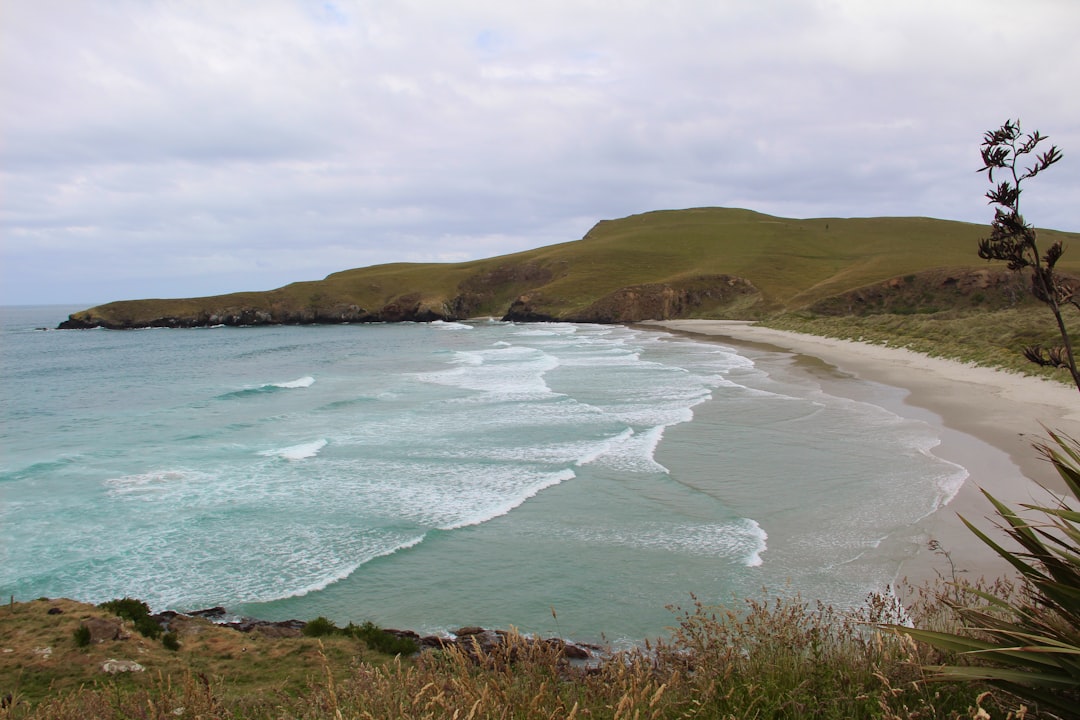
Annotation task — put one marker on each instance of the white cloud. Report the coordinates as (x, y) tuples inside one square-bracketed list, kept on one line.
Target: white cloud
[(202, 147)]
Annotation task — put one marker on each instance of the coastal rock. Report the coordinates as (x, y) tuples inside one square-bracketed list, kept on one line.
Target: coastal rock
[(104, 629), (405, 635), (214, 614), (113, 667), (666, 301), (181, 624), (651, 301), (476, 642), (472, 640), (409, 308), (283, 628), (526, 308), (934, 290), (569, 650)]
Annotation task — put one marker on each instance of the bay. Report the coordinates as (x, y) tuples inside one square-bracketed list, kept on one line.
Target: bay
[(565, 479)]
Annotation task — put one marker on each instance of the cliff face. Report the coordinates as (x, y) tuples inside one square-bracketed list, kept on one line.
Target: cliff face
[(655, 301), (409, 308), (715, 295)]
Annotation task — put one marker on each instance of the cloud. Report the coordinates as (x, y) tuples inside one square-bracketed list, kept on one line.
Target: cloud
[(158, 148)]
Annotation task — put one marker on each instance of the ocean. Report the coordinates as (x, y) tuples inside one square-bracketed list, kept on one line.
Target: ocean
[(566, 479)]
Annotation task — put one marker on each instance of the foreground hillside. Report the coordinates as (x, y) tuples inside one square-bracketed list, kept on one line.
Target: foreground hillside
[(699, 263), (779, 659)]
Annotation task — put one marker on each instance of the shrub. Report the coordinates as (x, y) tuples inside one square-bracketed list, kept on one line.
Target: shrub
[(320, 627), (148, 627), (82, 636), (127, 608), (136, 611), (170, 641), (379, 640)]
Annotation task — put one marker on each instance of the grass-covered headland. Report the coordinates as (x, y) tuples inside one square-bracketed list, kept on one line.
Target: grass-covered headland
[(758, 658), (908, 281)]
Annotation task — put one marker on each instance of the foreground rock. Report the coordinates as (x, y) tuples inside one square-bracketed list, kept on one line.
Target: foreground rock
[(473, 641), (114, 667)]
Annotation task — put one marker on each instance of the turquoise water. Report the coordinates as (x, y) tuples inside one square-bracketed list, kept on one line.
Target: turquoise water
[(571, 479)]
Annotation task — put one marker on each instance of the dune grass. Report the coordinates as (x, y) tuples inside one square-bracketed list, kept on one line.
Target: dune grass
[(987, 338)]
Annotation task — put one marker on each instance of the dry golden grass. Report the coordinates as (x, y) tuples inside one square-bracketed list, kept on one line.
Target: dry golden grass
[(779, 658)]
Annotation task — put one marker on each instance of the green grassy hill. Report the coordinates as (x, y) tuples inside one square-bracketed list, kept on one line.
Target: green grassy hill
[(698, 263)]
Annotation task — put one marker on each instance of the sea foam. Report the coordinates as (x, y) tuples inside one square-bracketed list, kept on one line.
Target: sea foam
[(297, 452), (306, 381)]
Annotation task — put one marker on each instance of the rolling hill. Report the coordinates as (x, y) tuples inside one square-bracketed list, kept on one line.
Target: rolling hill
[(697, 263)]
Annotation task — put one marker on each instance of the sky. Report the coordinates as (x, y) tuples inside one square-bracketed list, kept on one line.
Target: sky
[(178, 148)]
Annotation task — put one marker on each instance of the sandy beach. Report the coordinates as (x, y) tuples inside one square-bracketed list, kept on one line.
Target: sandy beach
[(989, 420)]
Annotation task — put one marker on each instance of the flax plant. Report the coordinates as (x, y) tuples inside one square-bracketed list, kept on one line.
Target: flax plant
[(1028, 642)]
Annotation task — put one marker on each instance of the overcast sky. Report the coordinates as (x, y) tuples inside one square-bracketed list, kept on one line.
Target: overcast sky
[(153, 148)]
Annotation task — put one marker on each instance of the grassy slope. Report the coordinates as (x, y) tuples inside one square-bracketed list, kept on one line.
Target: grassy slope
[(39, 658)]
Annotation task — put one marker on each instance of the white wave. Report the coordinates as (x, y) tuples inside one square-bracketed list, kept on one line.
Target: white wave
[(505, 373), (436, 494), (346, 571), (950, 484), (498, 510), (297, 452), (604, 447), (740, 540), (444, 325), (536, 333), (306, 381), (155, 481), (463, 357), (628, 451), (759, 540)]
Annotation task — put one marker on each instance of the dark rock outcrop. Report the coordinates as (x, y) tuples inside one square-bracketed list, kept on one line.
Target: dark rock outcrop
[(406, 309), (665, 301), (933, 291), (477, 642), (651, 301), (104, 629), (471, 640), (526, 308)]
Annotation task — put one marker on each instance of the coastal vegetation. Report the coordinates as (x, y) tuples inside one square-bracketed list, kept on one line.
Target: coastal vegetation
[(1016, 242), (766, 658), (1027, 639)]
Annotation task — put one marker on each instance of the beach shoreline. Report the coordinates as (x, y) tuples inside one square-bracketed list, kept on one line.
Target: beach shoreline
[(988, 421)]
